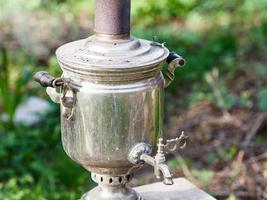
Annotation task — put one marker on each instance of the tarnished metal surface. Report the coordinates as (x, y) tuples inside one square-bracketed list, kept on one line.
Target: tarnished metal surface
[(116, 106), (119, 103), (109, 120), (112, 17)]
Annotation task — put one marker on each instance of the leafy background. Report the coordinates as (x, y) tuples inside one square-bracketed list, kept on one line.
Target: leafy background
[(219, 99)]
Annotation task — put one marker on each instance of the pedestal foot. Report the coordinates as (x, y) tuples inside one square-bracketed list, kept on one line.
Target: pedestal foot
[(111, 188)]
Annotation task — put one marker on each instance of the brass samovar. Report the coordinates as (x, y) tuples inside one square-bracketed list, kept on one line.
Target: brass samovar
[(111, 97)]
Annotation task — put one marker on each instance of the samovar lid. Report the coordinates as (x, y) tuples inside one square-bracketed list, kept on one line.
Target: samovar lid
[(98, 54)]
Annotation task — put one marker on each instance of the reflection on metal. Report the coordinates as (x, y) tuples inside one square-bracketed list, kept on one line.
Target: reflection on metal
[(111, 97)]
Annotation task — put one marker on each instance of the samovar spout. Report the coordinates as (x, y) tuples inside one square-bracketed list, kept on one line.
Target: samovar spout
[(160, 168), (167, 176), (141, 153)]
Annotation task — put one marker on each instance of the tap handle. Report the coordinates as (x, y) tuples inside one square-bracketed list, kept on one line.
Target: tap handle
[(173, 144), (47, 80)]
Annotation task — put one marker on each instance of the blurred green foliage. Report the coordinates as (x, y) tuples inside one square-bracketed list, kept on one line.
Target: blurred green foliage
[(34, 166), (221, 95), (262, 99), (218, 39), (231, 197), (203, 175), (11, 97)]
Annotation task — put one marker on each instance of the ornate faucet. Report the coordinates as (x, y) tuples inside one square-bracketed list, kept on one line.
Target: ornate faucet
[(141, 153)]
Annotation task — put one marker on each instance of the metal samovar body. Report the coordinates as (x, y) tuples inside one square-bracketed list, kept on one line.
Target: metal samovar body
[(111, 98), (115, 108)]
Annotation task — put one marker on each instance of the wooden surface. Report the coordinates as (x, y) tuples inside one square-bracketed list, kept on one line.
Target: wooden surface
[(182, 189)]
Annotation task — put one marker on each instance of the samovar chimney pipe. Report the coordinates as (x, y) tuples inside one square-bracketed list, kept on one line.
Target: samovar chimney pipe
[(112, 18)]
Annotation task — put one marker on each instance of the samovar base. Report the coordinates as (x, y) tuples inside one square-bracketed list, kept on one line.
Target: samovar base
[(111, 188), (98, 194)]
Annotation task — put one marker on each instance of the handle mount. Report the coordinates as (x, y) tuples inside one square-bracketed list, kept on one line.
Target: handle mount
[(68, 91)]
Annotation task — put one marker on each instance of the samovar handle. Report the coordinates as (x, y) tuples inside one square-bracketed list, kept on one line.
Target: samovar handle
[(47, 80), (173, 60), (68, 90)]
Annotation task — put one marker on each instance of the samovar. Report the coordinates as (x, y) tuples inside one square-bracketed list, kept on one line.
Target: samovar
[(111, 99)]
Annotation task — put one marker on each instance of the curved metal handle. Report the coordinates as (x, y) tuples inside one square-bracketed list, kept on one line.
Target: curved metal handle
[(174, 56), (174, 60)]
